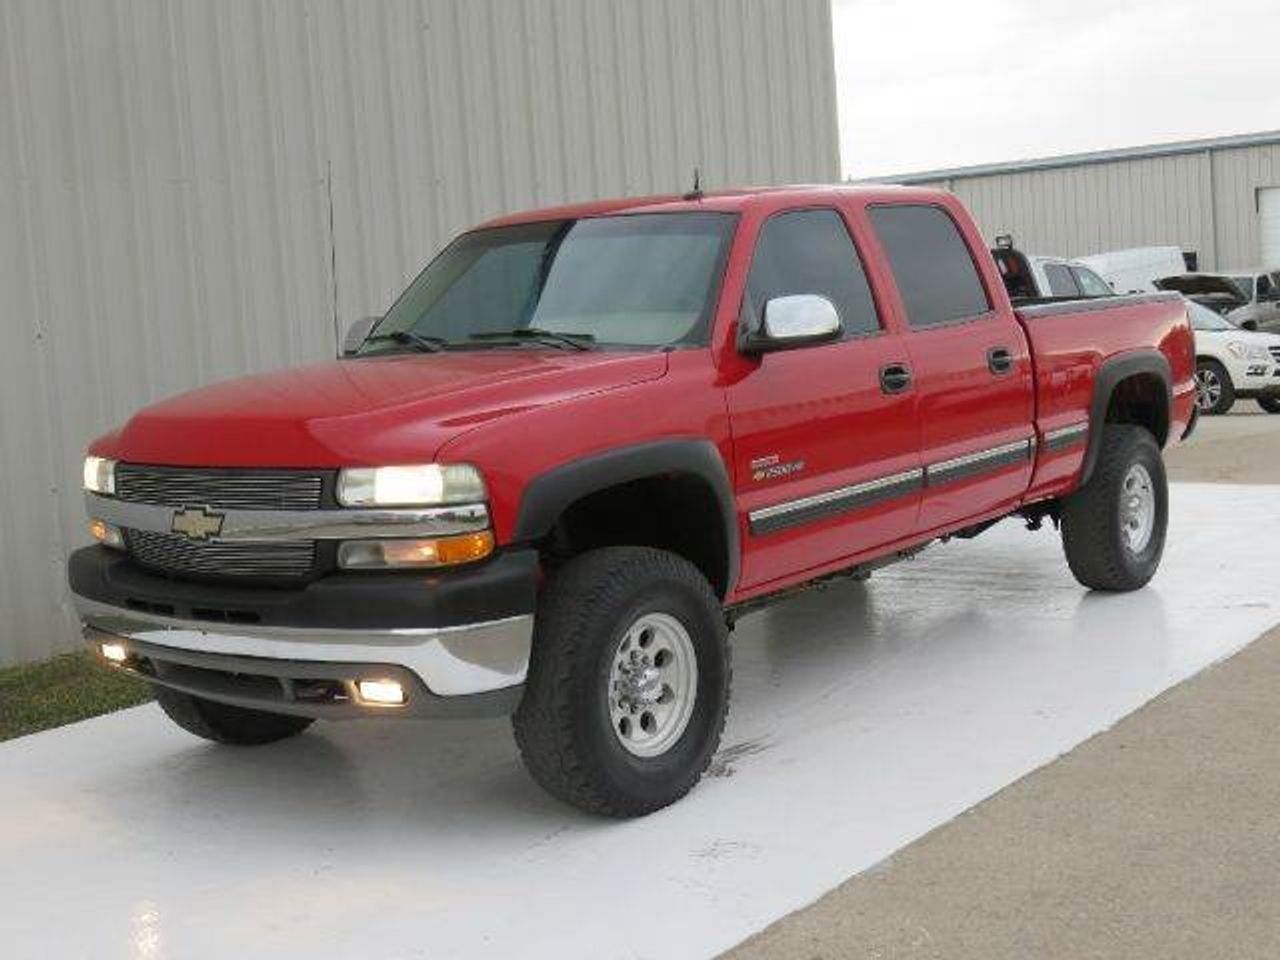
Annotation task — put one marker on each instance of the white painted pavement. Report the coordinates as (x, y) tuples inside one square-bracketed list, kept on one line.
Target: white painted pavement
[(863, 717)]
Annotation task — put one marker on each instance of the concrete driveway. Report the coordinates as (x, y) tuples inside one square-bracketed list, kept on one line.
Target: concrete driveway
[(864, 716)]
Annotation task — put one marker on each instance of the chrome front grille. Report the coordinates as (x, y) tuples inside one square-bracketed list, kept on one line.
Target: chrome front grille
[(220, 489), (172, 553)]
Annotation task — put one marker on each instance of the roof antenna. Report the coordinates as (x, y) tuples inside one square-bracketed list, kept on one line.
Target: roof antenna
[(696, 192)]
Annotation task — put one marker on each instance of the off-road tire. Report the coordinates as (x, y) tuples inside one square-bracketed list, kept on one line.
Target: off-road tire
[(1270, 402), (1227, 398), (563, 726), (1096, 549), (223, 723)]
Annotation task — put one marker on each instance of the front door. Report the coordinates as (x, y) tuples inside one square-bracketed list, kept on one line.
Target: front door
[(826, 459)]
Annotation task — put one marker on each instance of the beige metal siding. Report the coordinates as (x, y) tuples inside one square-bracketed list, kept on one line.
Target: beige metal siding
[(167, 169), (1204, 201), (1238, 176)]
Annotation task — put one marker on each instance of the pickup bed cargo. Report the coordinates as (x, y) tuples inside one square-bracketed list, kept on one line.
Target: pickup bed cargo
[(585, 440)]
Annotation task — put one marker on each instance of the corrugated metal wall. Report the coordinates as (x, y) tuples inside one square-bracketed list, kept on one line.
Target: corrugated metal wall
[(1204, 201), (169, 172)]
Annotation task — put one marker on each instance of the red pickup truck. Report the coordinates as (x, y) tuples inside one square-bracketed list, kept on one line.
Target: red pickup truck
[(585, 440)]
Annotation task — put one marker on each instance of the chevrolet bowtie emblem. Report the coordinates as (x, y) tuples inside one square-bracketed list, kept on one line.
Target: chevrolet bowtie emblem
[(197, 523)]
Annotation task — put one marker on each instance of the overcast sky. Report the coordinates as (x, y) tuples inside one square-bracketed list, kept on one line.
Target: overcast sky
[(941, 83)]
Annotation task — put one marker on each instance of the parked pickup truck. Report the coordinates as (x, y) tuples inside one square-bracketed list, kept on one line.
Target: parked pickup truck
[(585, 441)]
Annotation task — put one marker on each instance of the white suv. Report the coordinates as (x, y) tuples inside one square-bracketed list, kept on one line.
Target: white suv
[(1233, 364)]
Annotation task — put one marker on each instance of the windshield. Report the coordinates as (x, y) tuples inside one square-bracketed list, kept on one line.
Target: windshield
[(1202, 318), (1245, 284), (645, 280)]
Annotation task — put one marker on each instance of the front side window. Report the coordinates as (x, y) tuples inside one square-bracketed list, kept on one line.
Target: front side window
[(932, 267), (1090, 284), (809, 251), (646, 280), (1061, 283)]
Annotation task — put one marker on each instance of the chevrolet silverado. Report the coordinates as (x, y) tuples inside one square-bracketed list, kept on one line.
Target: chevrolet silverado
[(585, 440)]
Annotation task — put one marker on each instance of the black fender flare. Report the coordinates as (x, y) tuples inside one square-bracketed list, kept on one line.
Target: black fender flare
[(1109, 376), (548, 494)]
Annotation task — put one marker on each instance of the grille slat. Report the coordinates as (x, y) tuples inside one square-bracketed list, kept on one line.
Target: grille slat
[(247, 490), (221, 490), (176, 554)]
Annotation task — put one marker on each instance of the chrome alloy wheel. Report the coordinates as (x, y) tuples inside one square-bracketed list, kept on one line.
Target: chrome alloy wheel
[(1208, 389), (1137, 508), (653, 685)]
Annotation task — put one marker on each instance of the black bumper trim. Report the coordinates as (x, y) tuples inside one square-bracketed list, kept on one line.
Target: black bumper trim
[(505, 586)]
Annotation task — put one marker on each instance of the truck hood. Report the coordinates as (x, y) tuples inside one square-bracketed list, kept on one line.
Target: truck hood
[(367, 411), (1222, 290)]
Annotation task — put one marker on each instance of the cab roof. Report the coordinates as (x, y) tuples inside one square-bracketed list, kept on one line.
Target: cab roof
[(723, 201)]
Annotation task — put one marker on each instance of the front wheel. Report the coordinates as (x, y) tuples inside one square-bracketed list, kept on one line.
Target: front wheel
[(1113, 527), (1215, 393), (1270, 402), (628, 684)]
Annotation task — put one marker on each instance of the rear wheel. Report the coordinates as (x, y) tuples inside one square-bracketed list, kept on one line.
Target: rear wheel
[(223, 723), (1113, 528), (628, 685), (1215, 393), (1270, 402)]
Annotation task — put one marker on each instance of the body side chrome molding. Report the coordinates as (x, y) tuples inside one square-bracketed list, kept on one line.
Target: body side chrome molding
[(979, 462), (794, 512), (278, 525), (1067, 436)]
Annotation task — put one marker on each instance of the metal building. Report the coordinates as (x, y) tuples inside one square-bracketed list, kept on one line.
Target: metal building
[(1218, 199), (190, 191)]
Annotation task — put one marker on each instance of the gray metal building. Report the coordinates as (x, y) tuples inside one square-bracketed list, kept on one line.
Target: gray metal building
[(1218, 198), (192, 190)]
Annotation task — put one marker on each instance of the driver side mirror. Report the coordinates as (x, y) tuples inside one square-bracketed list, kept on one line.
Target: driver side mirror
[(356, 334), (792, 321), (1248, 324)]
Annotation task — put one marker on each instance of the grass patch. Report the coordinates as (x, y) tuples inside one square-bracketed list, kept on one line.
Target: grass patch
[(39, 696)]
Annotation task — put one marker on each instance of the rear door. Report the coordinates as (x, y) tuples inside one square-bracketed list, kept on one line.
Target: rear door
[(971, 365), (826, 458)]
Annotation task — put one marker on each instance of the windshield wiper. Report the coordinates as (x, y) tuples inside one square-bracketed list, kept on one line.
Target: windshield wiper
[(574, 341), (409, 338)]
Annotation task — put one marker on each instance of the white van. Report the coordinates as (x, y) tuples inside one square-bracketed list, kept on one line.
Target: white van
[(1136, 269)]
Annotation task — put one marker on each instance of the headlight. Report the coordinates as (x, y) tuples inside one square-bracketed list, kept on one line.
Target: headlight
[(428, 485), (1245, 351), (99, 475)]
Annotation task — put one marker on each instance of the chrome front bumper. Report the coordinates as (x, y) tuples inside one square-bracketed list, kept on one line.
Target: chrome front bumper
[(476, 668)]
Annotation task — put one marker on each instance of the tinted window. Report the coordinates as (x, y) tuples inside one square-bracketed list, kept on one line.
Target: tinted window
[(931, 264), (809, 251), (1264, 287), (1060, 282), (1090, 284), (643, 280)]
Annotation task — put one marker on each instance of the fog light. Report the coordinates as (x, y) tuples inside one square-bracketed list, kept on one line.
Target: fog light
[(386, 693), (115, 652), (106, 534), (438, 552)]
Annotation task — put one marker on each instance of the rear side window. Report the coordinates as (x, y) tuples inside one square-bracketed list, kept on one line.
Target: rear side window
[(931, 264), (1060, 282), (809, 251), (1090, 284)]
